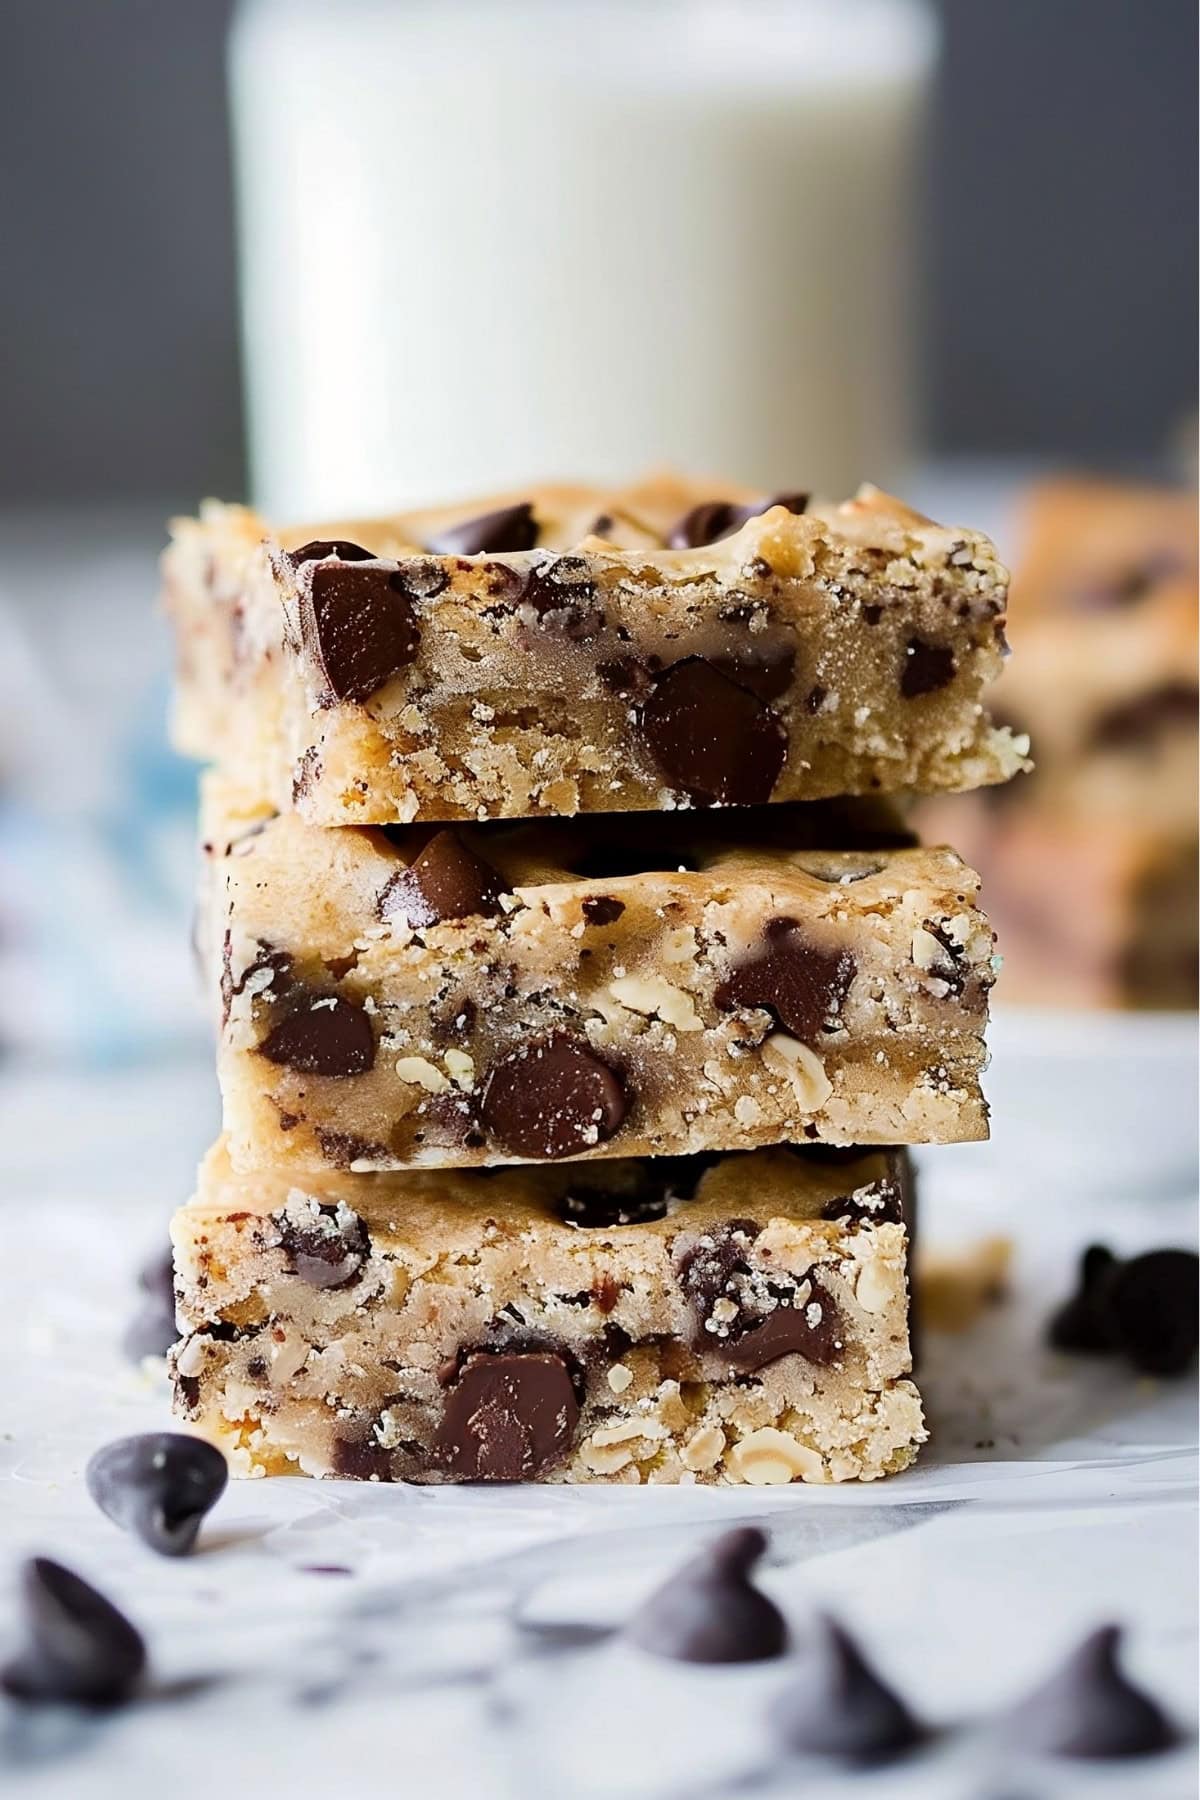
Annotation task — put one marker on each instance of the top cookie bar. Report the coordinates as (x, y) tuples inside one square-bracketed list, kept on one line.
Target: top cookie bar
[(576, 650)]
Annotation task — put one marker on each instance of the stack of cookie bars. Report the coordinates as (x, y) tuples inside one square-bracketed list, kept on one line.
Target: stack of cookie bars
[(577, 980)]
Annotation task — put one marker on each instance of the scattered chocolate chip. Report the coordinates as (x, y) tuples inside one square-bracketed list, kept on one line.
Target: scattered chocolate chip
[(1144, 1309), (709, 1611), (879, 1204), (152, 1330), (712, 738), (838, 1706), (602, 909), (507, 1416), (79, 1648), (158, 1486), (802, 986), (321, 1034), (319, 549), (926, 667), (1088, 1708), (358, 622), (326, 1245), (553, 1097), (767, 671), (490, 534), (446, 881), (714, 519), (1140, 722)]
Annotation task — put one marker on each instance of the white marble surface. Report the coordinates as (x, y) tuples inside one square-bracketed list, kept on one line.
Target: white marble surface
[(463, 1651)]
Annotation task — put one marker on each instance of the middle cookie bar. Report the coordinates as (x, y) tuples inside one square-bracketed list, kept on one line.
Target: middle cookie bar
[(395, 998)]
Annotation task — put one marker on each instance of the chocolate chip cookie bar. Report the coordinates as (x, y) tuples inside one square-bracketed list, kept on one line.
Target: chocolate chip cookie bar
[(578, 650), (637, 986), (738, 1319)]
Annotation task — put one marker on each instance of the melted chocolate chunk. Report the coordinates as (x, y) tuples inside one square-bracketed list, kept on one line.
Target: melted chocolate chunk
[(1089, 1708), (553, 1097), (319, 549), (508, 1415), (712, 738), (327, 1247), (879, 1204), (321, 1034), (749, 1316), (508, 529), (709, 1611), (926, 668), (838, 1706), (1142, 721), (446, 881), (358, 622), (802, 986), (158, 1486), (714, 519), (601, 909), (78, 1647), (1144, 1309)]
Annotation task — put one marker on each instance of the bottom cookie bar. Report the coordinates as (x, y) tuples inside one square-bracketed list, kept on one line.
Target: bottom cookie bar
[(738, 1318)]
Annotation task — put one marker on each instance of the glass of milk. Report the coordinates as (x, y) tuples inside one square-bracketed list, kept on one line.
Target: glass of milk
[(487, 241)]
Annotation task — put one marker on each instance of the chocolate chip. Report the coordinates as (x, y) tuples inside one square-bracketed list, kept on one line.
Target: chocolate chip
[(553, 1097), (341, 1148), (361, 1459), (871, 612), (1144, 1309), (879, 1204), (838, 1706), (601, 909), (320, 548), (507, 1416), (158, 1486), (562, 593), (714, 519), (802, 986), (266, 957), (1143, 720), (748, 1315), (806, 1322), (325, 1245), (768, 671), (321, 1034), (446, 881), (626, 676), (152, 1331), (489, 534), (602, 1209), (713, 739), (1088, 1708), (358, 622), (79, 1648), (926, 667), (710, 1611)]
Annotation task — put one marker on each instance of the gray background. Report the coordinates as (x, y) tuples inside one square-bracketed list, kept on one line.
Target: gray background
[(1063, 251)]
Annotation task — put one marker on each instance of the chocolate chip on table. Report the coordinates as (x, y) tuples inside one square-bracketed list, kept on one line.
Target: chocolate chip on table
[(321, 1034), (926, 668), (507, 1415), (553, 1097), (712, 738), (1144, 1308), (326, 1246), (838, 1706), (152, 1330), (78, 1647), (446, 881), (714, 519), (509, 528), (1089, 1708), (797, 982), (319, 549), (158, 1486), (709, 1611), (358, 622)]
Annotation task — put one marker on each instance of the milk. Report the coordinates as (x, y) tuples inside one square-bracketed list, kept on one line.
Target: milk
[(486, 243)]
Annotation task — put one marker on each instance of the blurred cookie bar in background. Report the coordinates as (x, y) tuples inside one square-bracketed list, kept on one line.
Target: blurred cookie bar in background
[(1091, 862)]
